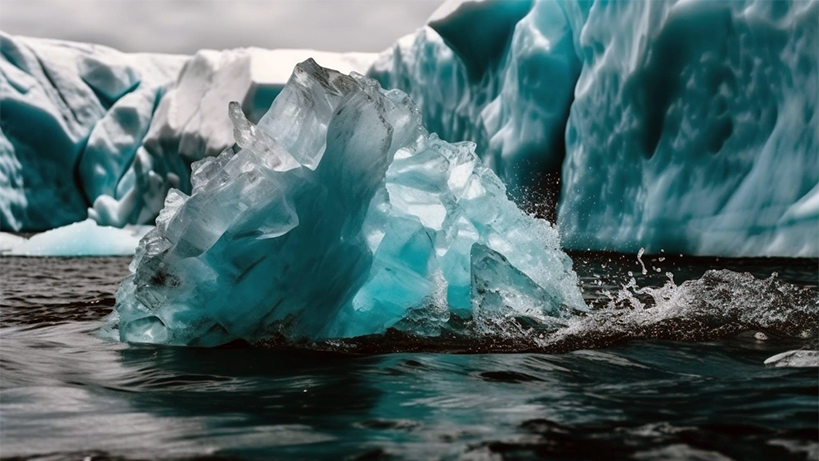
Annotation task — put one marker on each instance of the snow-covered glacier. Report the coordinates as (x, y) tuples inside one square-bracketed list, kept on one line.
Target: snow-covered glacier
[(88, 131), (683, 126), (339, 215)]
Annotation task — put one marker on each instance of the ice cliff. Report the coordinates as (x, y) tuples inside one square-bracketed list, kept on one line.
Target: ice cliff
[(684, 126), (88, 131), (339, 215)]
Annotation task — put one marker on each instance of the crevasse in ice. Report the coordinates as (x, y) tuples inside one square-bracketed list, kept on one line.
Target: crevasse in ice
[(338, 216)]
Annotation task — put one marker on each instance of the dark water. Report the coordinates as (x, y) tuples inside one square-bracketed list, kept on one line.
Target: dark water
[(67, 394)]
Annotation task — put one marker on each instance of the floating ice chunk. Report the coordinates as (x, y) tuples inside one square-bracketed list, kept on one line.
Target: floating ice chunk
[(85, 238), (794, 359), (337, 216)]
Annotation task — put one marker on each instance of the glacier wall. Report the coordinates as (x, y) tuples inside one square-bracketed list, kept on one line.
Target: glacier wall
[(88, 131), (339, 215), (694, 129), (679, 126)]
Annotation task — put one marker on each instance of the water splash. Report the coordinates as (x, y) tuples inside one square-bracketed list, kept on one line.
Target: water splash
[(720, 303)]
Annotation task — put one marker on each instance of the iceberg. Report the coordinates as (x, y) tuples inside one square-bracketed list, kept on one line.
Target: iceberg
[(88, 131), (677, 126), (339, 215), (190, 120), (86, 238), (189, 123)]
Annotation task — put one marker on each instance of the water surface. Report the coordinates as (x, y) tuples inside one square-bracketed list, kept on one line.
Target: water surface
[(67, 394)]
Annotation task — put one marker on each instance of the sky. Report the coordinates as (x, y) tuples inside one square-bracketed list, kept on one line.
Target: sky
[(185, 26)]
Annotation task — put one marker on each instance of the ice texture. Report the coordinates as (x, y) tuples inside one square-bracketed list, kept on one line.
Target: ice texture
[(189, 122), (9, 241), (85, 126), (86, 238), (694, 129), (72, 116), (339, 215), (684, 126)]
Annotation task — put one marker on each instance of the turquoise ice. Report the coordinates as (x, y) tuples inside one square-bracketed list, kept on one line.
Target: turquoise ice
[(340, 215), (694, 129), (500, 74)]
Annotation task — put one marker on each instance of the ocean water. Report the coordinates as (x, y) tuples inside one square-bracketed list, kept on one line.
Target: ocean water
[(665, 382)]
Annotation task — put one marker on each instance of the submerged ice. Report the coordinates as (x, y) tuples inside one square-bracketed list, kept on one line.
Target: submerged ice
[(339, 215)]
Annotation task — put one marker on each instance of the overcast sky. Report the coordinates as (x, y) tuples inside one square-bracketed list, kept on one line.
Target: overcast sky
[(184, 26)]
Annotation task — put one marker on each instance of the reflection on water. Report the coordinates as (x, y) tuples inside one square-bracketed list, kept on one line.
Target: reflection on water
[(69, 394)]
